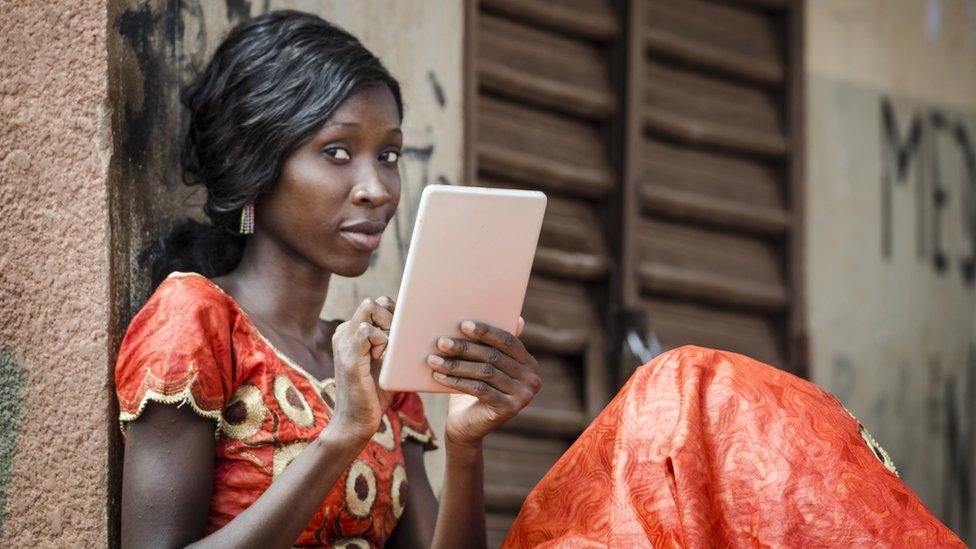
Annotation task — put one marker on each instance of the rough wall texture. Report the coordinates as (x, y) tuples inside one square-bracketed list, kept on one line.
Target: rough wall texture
[(891, 232), (54, 150)]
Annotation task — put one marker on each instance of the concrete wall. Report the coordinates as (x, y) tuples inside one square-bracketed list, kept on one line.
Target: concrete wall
[(54, 272), (891, 232)]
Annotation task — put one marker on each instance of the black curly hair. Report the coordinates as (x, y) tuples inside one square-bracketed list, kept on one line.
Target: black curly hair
[(272, 83)]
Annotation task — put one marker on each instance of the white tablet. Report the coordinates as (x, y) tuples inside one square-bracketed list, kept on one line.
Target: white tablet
[(469, 258)]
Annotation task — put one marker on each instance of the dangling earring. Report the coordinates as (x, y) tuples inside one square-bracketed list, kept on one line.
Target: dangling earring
[(247, 219)]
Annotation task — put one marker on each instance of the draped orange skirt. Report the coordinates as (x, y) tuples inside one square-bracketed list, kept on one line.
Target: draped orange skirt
[(704, 448)]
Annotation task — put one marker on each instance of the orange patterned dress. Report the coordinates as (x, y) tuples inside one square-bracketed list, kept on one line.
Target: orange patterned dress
[(705, 448), (191, 344)]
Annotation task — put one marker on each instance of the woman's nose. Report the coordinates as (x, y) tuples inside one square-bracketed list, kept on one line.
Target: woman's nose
[(371, 190)]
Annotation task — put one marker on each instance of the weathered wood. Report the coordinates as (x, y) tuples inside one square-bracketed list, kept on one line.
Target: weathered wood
[(711, 189), (679, 323), (708, 265), (590, 19), (705, 110), (543, 69), (556, 153), (729, 39)]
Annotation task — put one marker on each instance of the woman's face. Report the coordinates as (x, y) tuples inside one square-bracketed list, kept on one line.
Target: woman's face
[(338, 191)]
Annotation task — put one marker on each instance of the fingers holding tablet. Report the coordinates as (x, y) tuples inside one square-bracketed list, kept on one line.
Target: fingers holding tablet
[(493, 365)]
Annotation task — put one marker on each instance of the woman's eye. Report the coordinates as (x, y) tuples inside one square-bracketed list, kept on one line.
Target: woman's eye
[(390, 157), (339, 153)]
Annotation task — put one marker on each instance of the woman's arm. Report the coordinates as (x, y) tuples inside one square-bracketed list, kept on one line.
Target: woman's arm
[(168, 479), (416, 526), (168, 471), (461, 518)]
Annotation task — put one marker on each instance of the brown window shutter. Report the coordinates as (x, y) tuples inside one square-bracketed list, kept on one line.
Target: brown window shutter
[(666, 134), (543, 108)]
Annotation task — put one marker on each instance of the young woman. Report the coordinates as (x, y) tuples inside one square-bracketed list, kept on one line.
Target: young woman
[(249, 422)]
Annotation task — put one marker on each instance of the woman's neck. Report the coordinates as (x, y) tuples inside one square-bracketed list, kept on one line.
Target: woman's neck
[(281, 288)]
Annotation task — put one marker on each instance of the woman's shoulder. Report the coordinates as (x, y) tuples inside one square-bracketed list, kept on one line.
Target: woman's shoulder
[(181, 304), (190, 290)]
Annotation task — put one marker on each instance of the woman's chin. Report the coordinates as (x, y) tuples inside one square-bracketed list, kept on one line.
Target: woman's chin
[(353, 267)]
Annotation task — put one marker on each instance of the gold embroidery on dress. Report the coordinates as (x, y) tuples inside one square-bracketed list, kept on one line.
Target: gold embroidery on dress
[(244, 415)]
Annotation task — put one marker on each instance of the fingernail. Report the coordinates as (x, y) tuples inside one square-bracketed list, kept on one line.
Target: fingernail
[(445, 343), (439, 375), (467, 326), (435, 360)]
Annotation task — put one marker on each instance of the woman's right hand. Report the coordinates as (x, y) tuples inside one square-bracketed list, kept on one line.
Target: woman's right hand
[(357, 347)]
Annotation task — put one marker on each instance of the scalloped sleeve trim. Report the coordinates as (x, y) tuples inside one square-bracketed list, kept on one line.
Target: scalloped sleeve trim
[(153, 389)]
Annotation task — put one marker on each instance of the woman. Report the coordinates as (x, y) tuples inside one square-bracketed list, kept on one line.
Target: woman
[(279, 434)]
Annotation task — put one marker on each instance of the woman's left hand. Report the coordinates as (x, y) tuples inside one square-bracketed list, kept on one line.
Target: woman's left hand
[(494, 371)]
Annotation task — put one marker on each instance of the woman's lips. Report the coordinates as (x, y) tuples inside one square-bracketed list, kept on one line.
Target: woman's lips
[(362, 241)]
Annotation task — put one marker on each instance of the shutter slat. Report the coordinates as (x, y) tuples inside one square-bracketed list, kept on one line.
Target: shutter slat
[(555, 153), (499, 497), (709, 265), (663, 279), (732, 40), (772, 5), (543, 69), (558, 316), (497, 524), (705, 110), (711, 189), (590, 19), (520, 461), (677, 324)]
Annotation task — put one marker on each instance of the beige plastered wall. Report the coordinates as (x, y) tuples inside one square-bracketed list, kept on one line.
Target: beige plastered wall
[(892, 316), (54, 274)]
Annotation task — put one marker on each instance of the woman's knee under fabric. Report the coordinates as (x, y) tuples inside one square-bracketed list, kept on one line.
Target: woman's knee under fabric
[(703, 445)]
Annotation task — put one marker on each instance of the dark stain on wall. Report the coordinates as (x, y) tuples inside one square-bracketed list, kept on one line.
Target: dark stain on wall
[(238, 10), (12, 385), (153, 54)]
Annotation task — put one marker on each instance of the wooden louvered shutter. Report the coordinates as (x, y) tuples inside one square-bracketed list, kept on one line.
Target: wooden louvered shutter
[(543, 111), (711, 203), (670, 158)]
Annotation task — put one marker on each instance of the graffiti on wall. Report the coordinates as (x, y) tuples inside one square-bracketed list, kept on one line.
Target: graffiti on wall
[(960, 439), (940, 149), (928, 160), (11, 393)]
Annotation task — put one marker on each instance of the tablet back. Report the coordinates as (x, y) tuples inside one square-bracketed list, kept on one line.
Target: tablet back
[(470, 257)]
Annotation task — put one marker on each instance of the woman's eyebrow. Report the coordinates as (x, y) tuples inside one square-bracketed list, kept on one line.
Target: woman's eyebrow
[(356, 125)]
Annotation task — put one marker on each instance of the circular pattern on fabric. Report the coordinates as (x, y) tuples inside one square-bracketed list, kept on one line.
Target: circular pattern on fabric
[(292, 402), (351, 543), (384, 434), (360, 489), (328, 392), (284, 455), (245, 413), (398, 491)]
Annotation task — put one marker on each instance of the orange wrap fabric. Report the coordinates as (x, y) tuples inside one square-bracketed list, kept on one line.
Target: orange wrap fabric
[(191, 344), (704, 448)]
